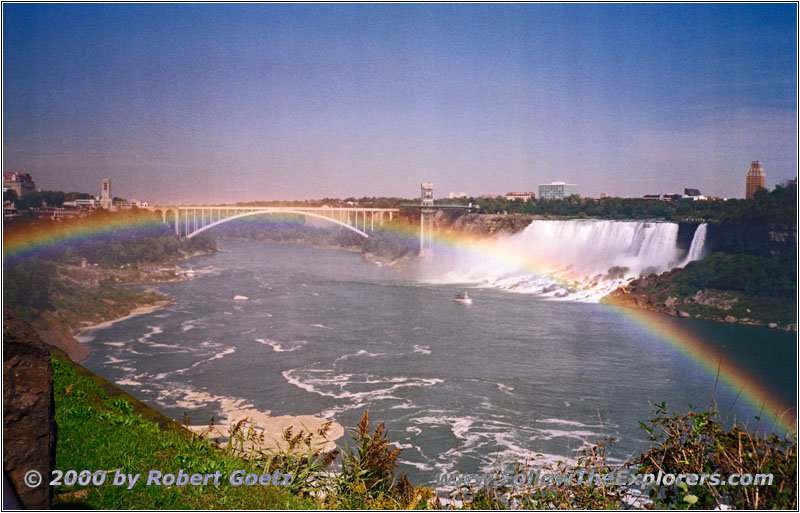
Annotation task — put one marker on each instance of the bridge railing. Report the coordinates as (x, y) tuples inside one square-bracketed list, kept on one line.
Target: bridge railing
[(189, 220)]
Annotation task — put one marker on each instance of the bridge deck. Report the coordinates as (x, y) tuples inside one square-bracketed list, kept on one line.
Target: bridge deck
[(189, 220)]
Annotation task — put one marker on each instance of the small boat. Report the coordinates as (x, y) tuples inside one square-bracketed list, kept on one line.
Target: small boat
[(463, 299)]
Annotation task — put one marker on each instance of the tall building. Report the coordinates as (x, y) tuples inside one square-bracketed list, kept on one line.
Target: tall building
[(106, 200), (20, 183), (557, 190), (756, 179), (426, 218), (427, 194)]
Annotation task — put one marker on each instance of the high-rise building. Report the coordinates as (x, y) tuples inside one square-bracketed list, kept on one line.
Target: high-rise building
[(106, 200), (756, 179), (20, 183), (557, 190)]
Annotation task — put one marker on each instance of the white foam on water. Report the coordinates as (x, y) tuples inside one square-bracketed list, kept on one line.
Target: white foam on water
[(574, 423), (361, 352), (407, 405), (221, 354), (497, 442), (416, 464), (282, 347), (417, 348), (329, 383), (114, 344), (152, 330), (84, 337), (127, 382), (505, 388), (582, 435), (574, 259)]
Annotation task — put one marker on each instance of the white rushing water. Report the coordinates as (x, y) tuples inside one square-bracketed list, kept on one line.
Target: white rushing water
[(697, 249), (574, 259)]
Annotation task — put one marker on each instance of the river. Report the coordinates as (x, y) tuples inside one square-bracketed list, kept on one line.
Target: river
[(460, 387)]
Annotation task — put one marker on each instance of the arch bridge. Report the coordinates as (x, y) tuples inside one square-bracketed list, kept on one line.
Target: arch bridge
[(193, 219)]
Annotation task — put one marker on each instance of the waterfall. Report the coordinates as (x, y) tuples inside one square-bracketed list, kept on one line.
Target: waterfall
[(698, 245), (571, 259)]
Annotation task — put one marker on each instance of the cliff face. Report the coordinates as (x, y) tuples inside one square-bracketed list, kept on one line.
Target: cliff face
[(754, 239), (29, 427), (490, 224)]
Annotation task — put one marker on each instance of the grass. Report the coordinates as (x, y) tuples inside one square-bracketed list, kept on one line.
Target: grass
[(99, 430)]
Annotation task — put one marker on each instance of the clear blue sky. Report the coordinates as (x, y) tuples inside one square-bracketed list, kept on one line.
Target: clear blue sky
[(241, 102)]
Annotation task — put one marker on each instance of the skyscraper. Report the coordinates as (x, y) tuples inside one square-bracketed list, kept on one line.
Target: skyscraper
[(756, 179)]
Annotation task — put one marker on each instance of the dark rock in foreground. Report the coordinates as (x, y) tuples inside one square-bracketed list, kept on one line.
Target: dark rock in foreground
[(29, 427)]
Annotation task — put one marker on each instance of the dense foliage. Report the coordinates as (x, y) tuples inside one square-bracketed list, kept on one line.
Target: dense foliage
[(754, 275), (696, 443), (27, 287), (778, 206), (47, 281), (35, 288), (149, 243), (754, 288)]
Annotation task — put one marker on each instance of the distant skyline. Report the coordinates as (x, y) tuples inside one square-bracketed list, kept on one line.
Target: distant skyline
[(243, 102)]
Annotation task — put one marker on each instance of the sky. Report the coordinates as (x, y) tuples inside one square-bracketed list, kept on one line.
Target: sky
[(180, 103)]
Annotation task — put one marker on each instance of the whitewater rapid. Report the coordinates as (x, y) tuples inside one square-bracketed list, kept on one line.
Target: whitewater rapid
[(570, 259)]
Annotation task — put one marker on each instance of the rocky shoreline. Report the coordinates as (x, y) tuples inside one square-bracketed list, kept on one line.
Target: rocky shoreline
[(102, 302), (708, 304)]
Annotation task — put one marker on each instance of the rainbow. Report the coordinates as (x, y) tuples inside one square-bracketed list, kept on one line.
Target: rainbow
[(716, 364), (28, 241), (31, 239)]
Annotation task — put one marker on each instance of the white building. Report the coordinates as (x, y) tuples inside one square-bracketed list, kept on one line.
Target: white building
[(557, 190)]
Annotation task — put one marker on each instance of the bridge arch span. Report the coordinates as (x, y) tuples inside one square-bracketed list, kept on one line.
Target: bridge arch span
[(282, 211)]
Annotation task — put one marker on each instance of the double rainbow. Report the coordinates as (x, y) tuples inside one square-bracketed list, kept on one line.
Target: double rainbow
[(23, 242)]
